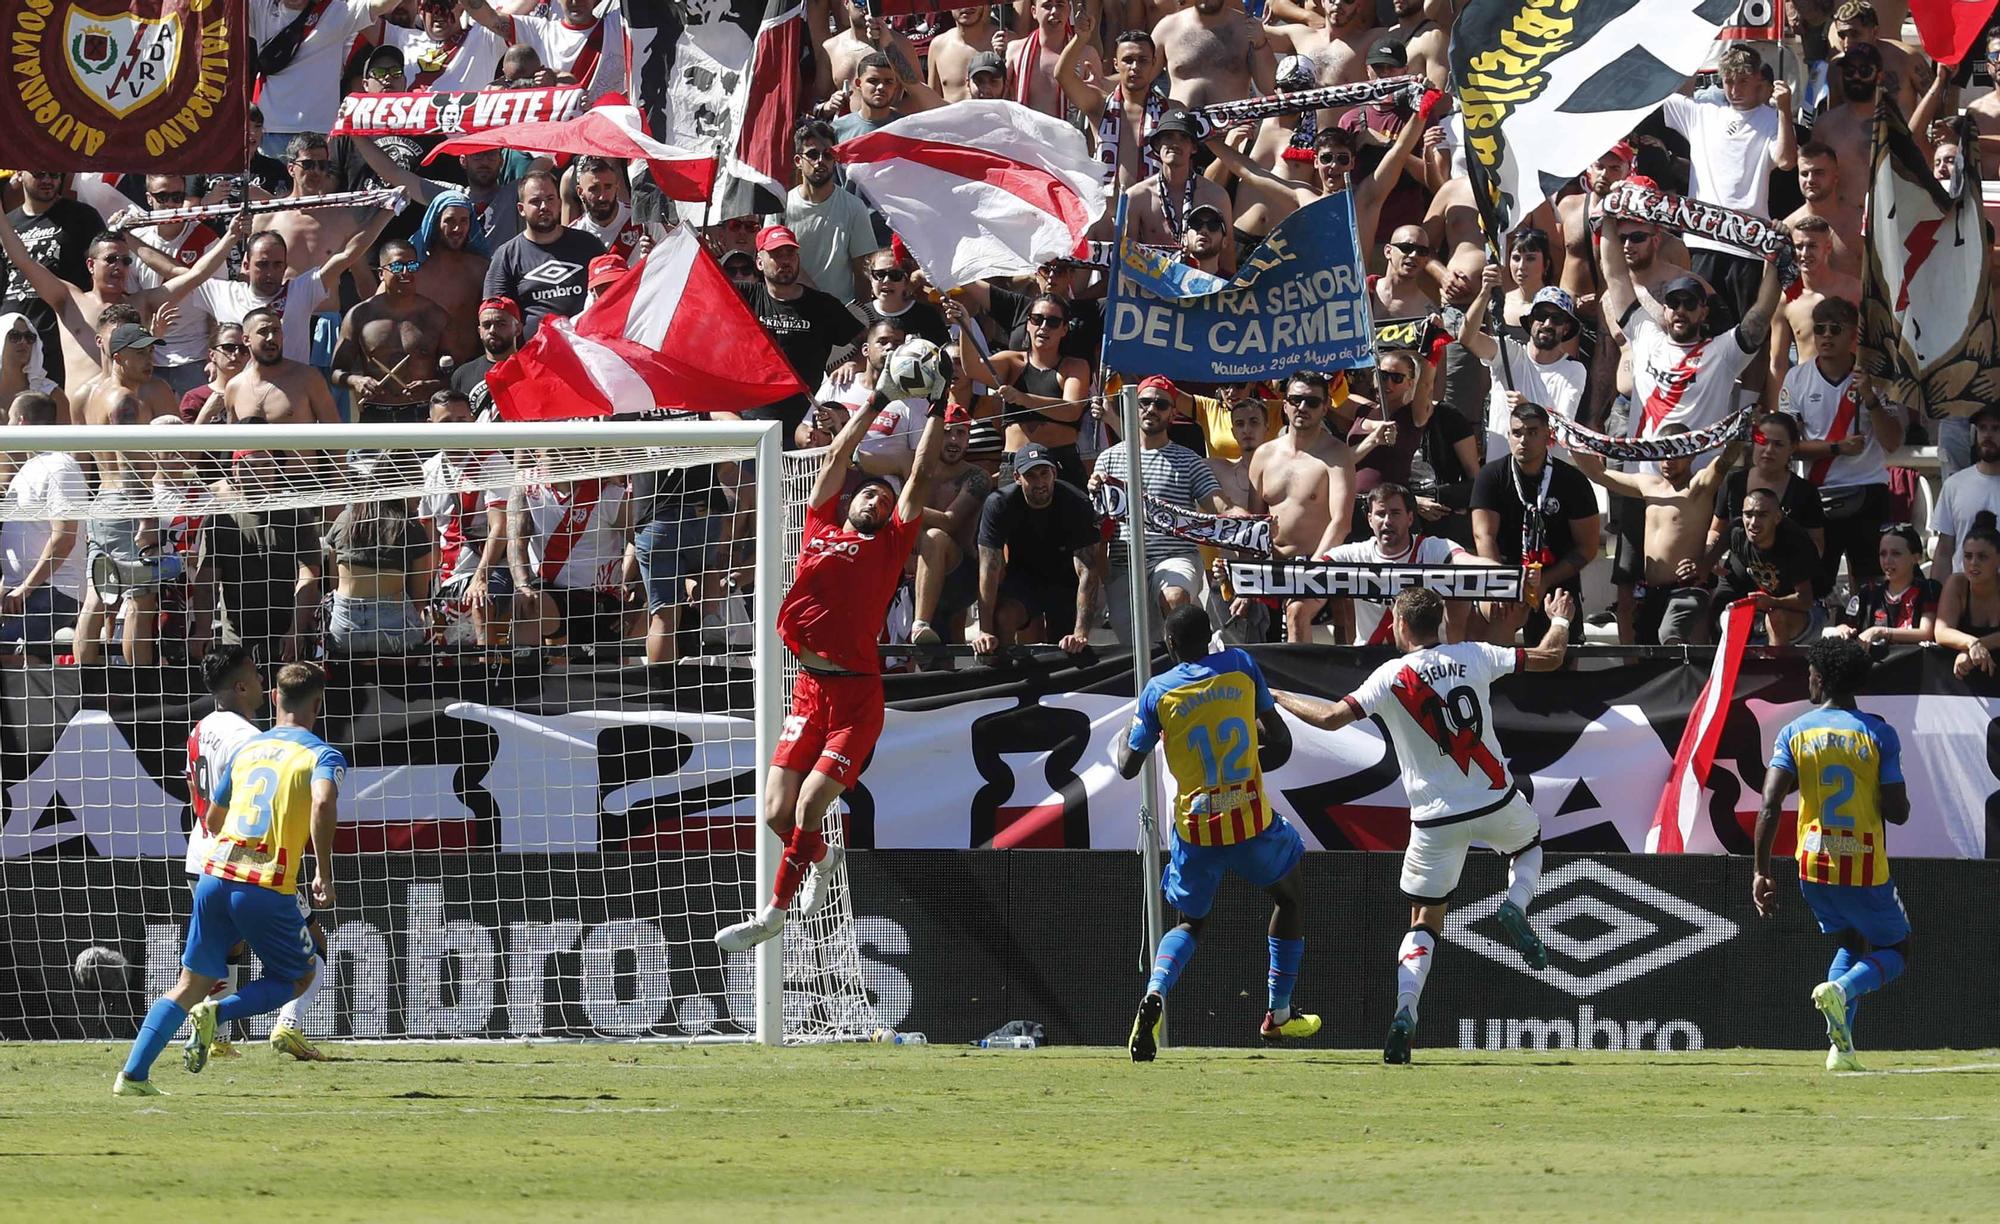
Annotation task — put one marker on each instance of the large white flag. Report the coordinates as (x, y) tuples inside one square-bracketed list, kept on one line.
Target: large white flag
[(980, 188)]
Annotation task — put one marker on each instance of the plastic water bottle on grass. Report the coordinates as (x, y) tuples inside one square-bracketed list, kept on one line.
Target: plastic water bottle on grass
[(888, 1036), (1006, 1043)]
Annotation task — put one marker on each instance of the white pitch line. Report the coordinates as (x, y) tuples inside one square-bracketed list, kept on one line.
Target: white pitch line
[(1986, 1066)]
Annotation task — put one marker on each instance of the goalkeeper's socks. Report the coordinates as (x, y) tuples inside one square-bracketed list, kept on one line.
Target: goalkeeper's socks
[(1285, 957), (1843, 960), (163, 1020), (1524, 871), (808, 846), (1413, 965), (263, 995), (1176, 949), (1871, 972), (294, 1012)]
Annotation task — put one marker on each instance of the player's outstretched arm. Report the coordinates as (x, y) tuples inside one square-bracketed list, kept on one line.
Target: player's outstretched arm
[(1326, 715), (916, 490), (840, 455), (1778, 783)]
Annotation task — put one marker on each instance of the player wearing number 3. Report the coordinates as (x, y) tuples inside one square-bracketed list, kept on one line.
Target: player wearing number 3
[(1436, 703), (1209, 711), (277, 790)]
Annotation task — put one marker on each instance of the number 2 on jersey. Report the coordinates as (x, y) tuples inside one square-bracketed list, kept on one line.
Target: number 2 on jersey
[(1841, 778), (1232, 736)]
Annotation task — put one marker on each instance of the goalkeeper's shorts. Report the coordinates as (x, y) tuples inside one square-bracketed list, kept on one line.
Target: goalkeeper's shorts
[(832, 726)]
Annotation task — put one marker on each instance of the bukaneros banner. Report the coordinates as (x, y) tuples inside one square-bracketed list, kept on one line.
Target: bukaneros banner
[(1298, 302), (126, 85), (453, 113), (607, 760), (1648, 953)]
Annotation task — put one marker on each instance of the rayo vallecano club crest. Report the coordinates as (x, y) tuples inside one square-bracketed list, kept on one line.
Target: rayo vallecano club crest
[(121, 61)]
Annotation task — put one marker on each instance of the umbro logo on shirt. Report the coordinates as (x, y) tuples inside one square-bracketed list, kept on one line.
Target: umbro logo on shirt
[(554, 272)]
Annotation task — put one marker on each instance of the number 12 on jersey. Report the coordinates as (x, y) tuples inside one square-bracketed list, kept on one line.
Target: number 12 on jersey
[(1231, 740)]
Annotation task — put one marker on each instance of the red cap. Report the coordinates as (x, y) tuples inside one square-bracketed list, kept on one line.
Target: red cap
[(605, 269), (1158, 382), (1624, 152), (1642, 180), (772, 237), (505, 304), (956, 414)]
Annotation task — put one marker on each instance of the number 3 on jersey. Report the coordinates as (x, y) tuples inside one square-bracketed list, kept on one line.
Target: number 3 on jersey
[(1232, 739), (250, 808)]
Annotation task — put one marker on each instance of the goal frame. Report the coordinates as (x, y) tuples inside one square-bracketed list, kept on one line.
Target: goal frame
[(764, 438)]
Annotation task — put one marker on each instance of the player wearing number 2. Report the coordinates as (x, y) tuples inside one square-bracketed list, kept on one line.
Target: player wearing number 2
[(279, 789), (1209, 711), (1436, 703), (1848, 767)]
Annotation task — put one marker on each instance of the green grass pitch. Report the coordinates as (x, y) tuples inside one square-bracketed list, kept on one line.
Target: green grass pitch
[(617, 1132)]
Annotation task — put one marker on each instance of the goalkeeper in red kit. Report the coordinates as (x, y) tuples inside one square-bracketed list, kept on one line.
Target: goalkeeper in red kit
[(849, 565)]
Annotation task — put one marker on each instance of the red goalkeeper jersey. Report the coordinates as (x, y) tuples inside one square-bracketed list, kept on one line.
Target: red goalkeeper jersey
[(845, 580)]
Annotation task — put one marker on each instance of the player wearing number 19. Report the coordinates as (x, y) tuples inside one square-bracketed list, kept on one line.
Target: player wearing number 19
[(1848, 767), (278, 789), (1209, 711), (1436, 702)]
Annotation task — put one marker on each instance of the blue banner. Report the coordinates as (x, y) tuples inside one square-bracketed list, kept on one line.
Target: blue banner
[(1299, 302)]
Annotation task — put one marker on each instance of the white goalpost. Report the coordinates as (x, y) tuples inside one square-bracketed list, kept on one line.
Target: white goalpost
[(541, 830)]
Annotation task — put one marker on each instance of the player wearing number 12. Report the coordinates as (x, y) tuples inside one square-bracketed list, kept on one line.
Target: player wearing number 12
[(1848, 767), (1209, 711), (278, 789), (1436, 702)]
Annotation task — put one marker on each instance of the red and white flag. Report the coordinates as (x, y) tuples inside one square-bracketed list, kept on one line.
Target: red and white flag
[(1679, 824), (1950, 28), (612, 128), (624, 354), (980, 188)]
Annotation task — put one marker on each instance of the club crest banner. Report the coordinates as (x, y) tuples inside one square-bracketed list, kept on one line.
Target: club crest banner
[(430, 113), (1298, 302), (126, 85)]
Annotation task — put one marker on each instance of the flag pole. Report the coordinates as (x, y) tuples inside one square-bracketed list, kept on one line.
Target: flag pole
[(1484, 191)]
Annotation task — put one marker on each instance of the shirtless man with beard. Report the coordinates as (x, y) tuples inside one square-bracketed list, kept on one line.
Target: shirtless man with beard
[(951, 52), (311, 238), (1847, 125), (1679, 503), (272, 390), (128, 374), (1304, 478), (1214, 53), (389, 345), (1404, 288), (452, 276), (1821, 184), (1424, 39), (1813, 239), (865, 35)]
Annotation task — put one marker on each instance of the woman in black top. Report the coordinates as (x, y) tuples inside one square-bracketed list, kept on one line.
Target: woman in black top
[(1968, 619), (1041, 393), (1774, 437), (1899, 609)]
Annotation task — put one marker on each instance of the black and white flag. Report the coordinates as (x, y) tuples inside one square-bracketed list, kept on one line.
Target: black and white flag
[(1545, 89)]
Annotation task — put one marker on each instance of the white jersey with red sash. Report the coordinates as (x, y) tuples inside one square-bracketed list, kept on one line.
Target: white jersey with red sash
[(1373, 626), (465, 63), (592, 56), (460, 488), (1681, 384), (1437, 704), (1832, 413), (619, 235), (180, 536), (210, 745), (577, 543)]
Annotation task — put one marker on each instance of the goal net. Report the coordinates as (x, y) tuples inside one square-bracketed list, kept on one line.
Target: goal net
[(553, 671)]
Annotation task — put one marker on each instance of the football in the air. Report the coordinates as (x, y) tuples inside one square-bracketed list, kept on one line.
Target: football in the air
[(916, 369)]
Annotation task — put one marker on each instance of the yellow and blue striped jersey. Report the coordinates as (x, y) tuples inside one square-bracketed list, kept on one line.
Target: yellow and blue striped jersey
[(1206, 715), (266, 795), (1842, 758)]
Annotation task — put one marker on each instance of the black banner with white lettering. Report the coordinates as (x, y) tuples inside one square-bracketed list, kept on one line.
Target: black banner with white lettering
[(1372, 580), (1648, 953)]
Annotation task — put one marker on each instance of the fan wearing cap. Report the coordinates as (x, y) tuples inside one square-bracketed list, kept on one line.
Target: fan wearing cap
[(604, 272), (830, 227), (129, 375), (961, 60), (1125, 117), (390, 344), (1538, 372), (947, 557), (499, 337), (1905, 72), (807, 325), (1678, 376), (1158, 206), (1734, 145), (849, 566), (1215, 52), (1281, 145), (1041, 560)]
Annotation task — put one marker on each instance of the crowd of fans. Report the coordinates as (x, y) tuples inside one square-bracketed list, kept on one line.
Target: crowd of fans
[(1444, 452)]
